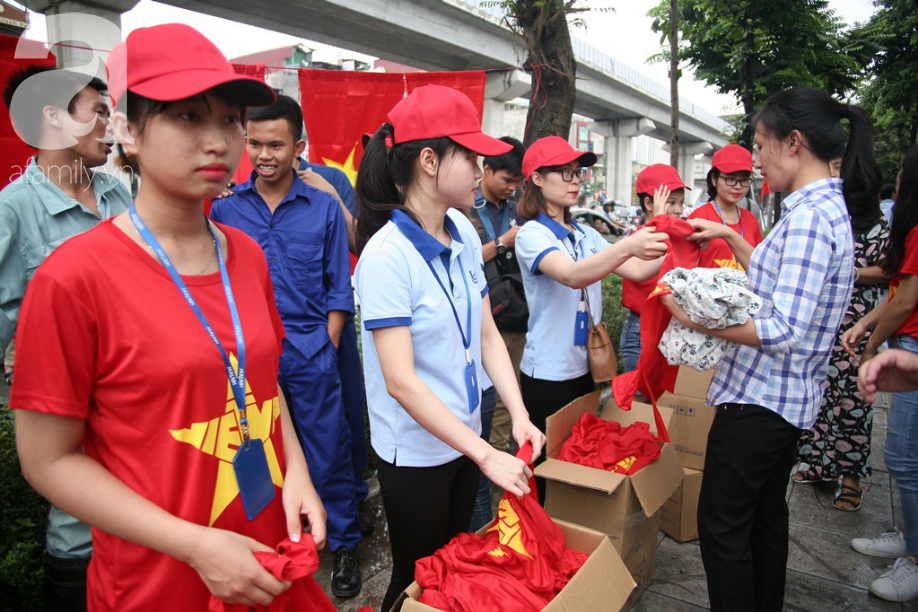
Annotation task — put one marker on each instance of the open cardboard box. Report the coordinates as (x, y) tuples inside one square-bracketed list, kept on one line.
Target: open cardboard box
[(603, 583), (679, 515), (623, 507)]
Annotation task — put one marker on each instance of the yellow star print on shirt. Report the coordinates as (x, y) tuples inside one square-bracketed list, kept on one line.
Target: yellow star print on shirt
[(509, 531), (220, 437), (729, 263)]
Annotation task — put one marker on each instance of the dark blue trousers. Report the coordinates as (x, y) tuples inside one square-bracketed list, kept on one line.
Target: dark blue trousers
[(313, 391)]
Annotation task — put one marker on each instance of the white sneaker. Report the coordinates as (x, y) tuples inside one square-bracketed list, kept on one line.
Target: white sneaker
[(889, 545), (898, 583)]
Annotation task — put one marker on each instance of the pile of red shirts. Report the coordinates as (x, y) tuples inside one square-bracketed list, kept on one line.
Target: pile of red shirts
[(294, 561), (519, 565), (608, 446)]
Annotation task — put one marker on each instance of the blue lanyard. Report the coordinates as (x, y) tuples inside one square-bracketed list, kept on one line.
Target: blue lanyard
[(237, 382), (742, 232), (485, 216), (466, 341)]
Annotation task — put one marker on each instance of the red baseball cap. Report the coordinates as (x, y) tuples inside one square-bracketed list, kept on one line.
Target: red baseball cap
[(732, 158), (174, 61), (653, 176), (553, 151), (435, 111)]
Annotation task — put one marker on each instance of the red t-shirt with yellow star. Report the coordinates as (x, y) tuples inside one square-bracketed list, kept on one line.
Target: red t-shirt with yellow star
[(719, 254), (106, 336)]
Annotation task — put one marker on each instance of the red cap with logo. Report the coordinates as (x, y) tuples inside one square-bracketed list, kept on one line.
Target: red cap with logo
[(553, 151), (174, 61), (653, 176), (435, 111), (732, 158)]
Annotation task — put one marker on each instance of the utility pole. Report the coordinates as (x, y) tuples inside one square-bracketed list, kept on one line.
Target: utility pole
[(674, 81)]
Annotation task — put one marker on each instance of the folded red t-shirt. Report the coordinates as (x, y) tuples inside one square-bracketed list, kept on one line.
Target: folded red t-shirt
[(608, 446), (520, 564), (296, 561)]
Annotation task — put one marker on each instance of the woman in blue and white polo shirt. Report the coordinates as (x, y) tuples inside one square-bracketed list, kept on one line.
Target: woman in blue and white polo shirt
[(561, 262), (427, 325)]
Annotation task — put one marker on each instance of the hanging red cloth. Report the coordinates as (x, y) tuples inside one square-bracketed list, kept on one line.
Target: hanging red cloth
[(294, 561), (608, 446), (520, 564), (654, 375)]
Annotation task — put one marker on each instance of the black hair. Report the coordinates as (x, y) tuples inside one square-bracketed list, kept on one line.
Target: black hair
[(818, 118), (905, 214), (887, 191), (385, 175), (511, 161), (285, 108), (140, 109), (61, 91)]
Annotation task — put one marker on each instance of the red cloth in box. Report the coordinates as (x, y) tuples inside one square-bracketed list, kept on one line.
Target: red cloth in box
[(608, 446), (520, 564)]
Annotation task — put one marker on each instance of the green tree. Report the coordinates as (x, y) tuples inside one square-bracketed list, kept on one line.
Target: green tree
[(891, 91), (753, 48)]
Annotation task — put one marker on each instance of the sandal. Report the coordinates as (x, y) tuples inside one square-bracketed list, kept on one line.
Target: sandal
[(850, 497), (806, 476)]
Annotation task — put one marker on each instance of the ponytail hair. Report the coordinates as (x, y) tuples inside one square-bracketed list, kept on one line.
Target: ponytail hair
[(818, 118), (905, 214), (386, 173), (713, 175)]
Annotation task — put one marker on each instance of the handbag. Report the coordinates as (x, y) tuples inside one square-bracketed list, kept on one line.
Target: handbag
[(600, 351)]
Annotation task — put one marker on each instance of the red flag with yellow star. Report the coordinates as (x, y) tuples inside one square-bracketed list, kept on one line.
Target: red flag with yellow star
[(340, 106)]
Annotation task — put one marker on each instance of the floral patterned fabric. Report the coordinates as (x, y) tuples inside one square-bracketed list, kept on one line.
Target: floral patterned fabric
[(838, 443), (713, 297)]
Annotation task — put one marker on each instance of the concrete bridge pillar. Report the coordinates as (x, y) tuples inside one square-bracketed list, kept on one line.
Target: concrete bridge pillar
[(95, 24), (502, 87), (619, 137)]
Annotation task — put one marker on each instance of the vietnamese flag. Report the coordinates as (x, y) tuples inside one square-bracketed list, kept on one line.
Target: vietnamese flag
[(258, 71), (340, 106)]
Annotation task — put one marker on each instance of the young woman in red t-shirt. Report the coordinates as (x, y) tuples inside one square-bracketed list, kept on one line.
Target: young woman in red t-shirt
[(147, 366), (728, 184)]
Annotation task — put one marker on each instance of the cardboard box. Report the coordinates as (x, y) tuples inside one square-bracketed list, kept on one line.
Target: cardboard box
[(689, 421), (692, 383), (603, 583), (679, 515)]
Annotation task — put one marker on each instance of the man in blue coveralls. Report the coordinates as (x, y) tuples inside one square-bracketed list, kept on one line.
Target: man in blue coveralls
[(303, 234)]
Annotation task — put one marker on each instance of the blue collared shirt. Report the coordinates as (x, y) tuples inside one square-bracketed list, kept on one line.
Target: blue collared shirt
[(550, 352), (35, 218), (804, 273), (397, 287), (337, 179), (305, 243)]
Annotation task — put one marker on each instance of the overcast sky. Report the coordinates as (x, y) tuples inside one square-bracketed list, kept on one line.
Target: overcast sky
[(624, 34)]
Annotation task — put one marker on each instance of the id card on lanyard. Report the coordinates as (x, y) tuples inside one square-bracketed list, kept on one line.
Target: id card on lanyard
[(471, 369), (250, 462), (582, 320)]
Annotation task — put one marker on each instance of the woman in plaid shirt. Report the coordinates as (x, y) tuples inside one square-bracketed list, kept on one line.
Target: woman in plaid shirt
[(770, 387)]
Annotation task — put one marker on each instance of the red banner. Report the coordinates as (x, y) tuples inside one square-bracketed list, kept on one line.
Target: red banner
[(258, 71), (340, 106), (14, 153)]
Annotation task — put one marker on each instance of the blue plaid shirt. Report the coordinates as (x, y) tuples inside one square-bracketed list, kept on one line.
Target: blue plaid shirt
[(804, 273)]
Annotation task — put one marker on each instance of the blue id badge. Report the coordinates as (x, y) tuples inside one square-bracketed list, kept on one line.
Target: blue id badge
[(581, 326), (471, 385), (253, 477)]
